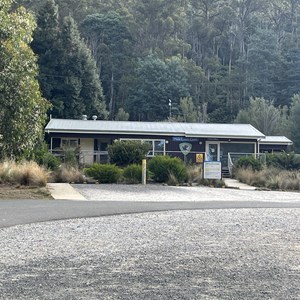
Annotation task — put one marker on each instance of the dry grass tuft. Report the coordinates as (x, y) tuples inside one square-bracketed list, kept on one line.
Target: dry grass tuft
[(27, 173), (172, 179), (271, 178), (69, 174), (194, 174)]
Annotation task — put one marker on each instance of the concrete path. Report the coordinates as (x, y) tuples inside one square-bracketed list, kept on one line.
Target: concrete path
[(235, 184), (64, 191)]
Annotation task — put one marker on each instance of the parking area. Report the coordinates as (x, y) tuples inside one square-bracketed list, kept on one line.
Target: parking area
[(159, 193), (202, 254)]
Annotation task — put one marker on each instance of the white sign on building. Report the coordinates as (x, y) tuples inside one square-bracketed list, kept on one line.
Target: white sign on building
[(212, 170)]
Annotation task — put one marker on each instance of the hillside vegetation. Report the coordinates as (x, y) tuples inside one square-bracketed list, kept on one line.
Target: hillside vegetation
[(213, 60)]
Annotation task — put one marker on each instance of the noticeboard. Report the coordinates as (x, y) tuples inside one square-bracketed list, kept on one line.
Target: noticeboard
[(212, 170)]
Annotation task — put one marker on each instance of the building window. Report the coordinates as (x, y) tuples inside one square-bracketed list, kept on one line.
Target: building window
[(157, 147), (69, 143)]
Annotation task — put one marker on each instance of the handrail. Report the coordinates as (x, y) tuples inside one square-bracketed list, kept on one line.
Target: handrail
[(230, 164)]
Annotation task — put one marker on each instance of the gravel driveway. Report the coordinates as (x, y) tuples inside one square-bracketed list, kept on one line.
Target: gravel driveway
[(155, 192), (211, 254)]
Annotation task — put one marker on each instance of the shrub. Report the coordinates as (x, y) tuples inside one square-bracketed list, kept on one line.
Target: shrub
[(133, 173), (104, 173), (247, 162), (218, 183), (71, 157), (163, 166), (287, 161), (43, 157), (123, 153), (194, 173), (68, 174), (27, 173), (271, 178)]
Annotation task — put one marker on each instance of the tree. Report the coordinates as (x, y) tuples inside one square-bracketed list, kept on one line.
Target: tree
[(157, 81), (188, 112), (23, 110), (68, 73), (264, 116), (295, 121), (122, 115), (111, 46)]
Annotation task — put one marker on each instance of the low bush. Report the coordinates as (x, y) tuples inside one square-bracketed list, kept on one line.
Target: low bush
[(162, 167), (286, 161), (218, 183), (194, 174), (27, 173), (68, 174), (124, 153), (248, 162), (43, 157), (133, 173), (104, 173)]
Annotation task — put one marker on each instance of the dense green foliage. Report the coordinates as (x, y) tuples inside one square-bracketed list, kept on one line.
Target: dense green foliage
[(164, 167), (22, 108), (133, 173), (104, 173), (123, 153), (68, 73), (218, 54), (248, 162), (286, 161)]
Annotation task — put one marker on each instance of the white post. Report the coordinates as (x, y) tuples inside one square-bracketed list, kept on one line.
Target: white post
[(144, 171)]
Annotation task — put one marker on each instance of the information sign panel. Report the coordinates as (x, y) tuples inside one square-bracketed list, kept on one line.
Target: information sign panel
[(212, 170)]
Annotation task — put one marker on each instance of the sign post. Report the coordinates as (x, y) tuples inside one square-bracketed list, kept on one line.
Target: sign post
[(144, 171)]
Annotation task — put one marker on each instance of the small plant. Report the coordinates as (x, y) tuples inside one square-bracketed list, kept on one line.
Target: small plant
[(133, 173), (194, 173), (162, 166), (217, 183), (124, 153), (68, 174), (248, 162), (71, 157), (104, 173)]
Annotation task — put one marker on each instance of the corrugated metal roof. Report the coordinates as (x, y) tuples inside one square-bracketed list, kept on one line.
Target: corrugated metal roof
[(154, 128), (276, 140)]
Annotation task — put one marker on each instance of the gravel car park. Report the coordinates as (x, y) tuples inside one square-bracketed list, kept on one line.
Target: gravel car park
[(201, 254)]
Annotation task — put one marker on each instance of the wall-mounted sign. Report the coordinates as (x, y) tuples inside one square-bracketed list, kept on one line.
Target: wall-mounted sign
[(212, 170), (184, 139), (185, 148), (199, 158)]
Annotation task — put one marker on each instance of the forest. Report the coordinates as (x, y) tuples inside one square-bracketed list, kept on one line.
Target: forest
[(217, 61)]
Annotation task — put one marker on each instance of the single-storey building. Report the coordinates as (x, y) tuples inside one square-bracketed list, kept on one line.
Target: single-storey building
[(272, 144), (192, 142)]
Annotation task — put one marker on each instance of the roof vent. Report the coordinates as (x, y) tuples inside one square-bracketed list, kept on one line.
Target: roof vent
[(84, 117), (94, 118)]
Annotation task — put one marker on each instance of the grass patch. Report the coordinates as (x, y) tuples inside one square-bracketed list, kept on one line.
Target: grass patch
[(271, 178), (26, 173), (68, 174)]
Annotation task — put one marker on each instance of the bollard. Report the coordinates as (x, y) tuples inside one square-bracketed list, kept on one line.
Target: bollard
[(144, 173)]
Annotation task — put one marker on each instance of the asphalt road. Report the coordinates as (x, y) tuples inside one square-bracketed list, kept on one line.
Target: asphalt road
[(15, 212)]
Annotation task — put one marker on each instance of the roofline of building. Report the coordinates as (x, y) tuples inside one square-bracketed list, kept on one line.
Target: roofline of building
[(49, 131)]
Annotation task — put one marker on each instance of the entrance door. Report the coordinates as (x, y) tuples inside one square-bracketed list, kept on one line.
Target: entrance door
[(213, 151)]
